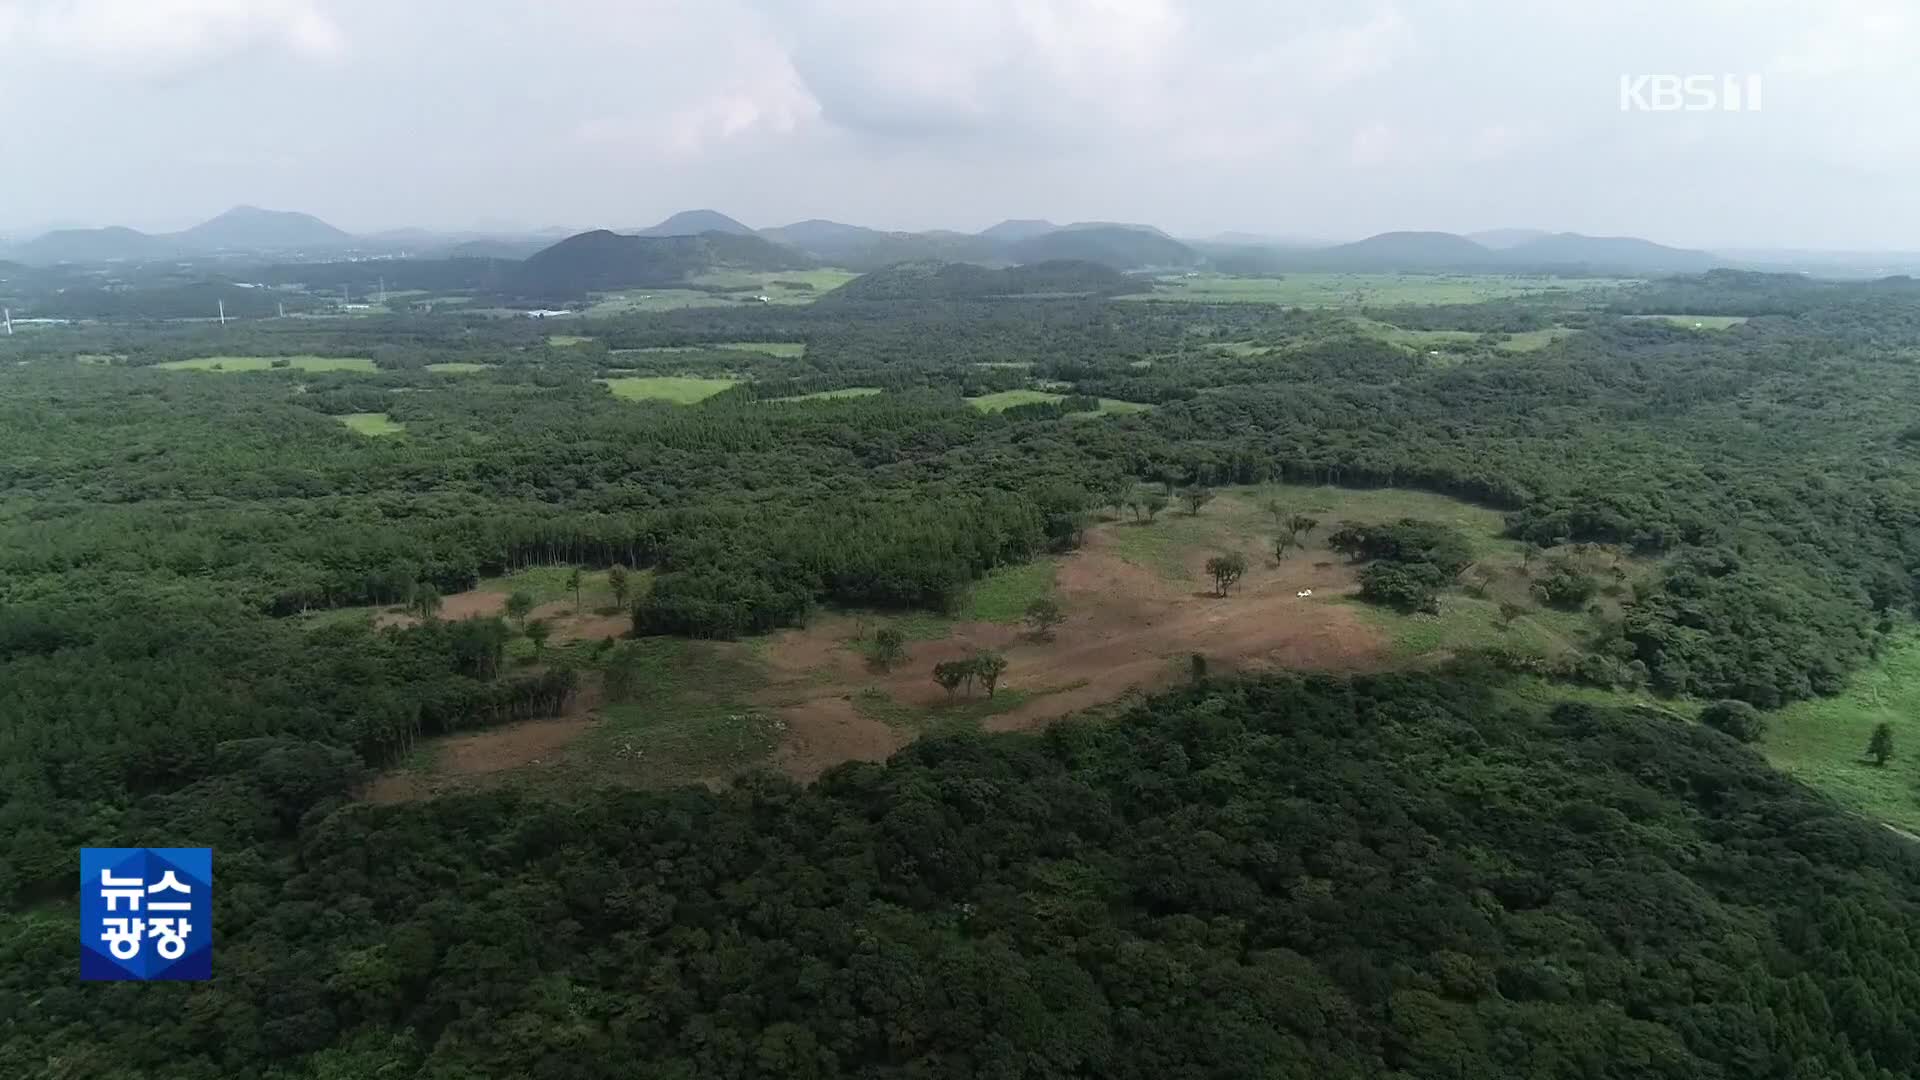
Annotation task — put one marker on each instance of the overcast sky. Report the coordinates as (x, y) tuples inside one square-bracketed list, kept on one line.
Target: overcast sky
[(1327, 119)]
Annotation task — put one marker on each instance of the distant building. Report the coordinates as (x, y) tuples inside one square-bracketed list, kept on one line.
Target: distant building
[(546, 313)]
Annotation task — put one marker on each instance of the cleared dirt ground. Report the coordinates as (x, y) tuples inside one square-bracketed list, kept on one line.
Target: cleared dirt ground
[(1128, 628), (1133, 621)]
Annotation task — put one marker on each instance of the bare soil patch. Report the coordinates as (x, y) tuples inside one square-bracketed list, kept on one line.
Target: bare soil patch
[(1128, 628), (827, 731), (586, 625)]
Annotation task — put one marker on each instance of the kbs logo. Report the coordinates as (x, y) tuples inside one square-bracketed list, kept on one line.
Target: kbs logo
[(146, 913), (1689, 93)]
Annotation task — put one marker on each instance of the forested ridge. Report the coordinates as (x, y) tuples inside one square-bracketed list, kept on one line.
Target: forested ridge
[(1400, 875), (1300, 877)]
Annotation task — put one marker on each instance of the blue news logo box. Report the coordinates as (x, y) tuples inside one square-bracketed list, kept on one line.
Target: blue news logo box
[(146, 914)]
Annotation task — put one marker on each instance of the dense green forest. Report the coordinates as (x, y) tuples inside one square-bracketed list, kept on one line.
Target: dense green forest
[(1421, 875)]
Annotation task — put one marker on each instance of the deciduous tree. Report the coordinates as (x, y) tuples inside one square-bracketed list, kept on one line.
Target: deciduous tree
[(1226, 570), (1042, 616), (1880, 746)]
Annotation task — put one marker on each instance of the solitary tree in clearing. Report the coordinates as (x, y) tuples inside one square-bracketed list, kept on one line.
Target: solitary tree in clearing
[(1154, 502), (538, 631), (1509, 611), (951, 673), (1042, 616), (889, 648), (519, 606), (989, 666), (573, 583), (1301, 525), (1226, 570), (1880, 747), (1196, 497), (617, 581), (1281, 545)]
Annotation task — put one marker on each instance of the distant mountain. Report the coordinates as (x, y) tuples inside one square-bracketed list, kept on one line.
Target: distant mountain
[(496, 247), (241, 229), (824, 239), (1121, 247), (1506, 238), (1406, 251), (967, 281), (1135, 226), (249, 228), (1014, 230), (115, 243), (1235, 238), (695, 222), (856, 247), (1608, 252), (601, 260)]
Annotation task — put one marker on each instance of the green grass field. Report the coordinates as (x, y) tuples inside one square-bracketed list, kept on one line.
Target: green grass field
[(265, 363), (1007, 399), (1535, 340), (824, 395), (742, 287), (1323, 290), (678, 389), (1824, 742), (458, 367), (771, 282), (1003, 595), (639, 301), (371, 423), (561, 341), (1698, 322), (690, 717), (547, 584)]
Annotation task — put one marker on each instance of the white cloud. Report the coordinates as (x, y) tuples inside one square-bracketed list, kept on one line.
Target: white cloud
[(147, 37)]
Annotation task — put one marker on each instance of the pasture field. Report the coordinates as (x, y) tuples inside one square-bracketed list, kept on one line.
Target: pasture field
[(1334, 290), (265, 363), (678, 389), (1824, 741), (824, 395), (1535, 340), (1698, 322), (1007, 399), (371, 423), (1413, 339), (725, 288), (561, 341), (640, 301), (779, 285), (458, 367)]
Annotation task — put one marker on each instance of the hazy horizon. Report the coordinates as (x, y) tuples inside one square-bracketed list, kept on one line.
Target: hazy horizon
[(1321, 120)]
